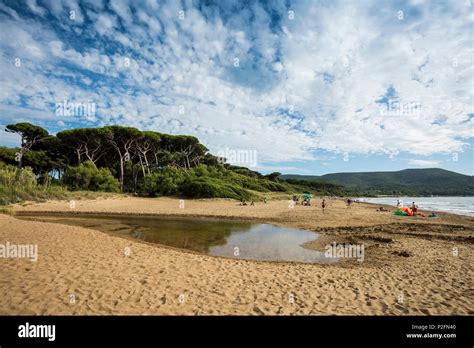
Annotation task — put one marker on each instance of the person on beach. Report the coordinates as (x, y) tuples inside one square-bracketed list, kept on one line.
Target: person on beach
[(296, 199), (398, 203), (349, 202), (265, 200), (414, 208), (252, 203), (323, 205)]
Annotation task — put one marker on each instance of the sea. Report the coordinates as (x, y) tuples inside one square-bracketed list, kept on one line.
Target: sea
[(453, 205)]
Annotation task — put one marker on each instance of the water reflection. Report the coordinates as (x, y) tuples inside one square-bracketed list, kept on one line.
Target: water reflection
[(218, 237)]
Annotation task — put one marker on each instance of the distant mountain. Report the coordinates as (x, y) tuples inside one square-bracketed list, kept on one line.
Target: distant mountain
[(418, 182)]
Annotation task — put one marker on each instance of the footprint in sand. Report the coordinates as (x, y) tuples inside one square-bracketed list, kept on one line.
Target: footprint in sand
[(425, 311), (401, 308)]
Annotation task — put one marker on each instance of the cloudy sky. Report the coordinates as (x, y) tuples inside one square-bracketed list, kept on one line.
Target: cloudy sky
[(312, 86)]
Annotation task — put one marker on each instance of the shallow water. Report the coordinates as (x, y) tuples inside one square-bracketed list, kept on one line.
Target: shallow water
[(217, 237)]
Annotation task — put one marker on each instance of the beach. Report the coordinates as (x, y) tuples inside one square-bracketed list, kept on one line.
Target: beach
[(412, 266), (446, 204)]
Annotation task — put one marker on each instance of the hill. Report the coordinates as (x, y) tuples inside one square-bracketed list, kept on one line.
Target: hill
[(418, 182)]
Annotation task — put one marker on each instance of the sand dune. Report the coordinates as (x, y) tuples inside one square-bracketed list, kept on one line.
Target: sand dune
[(409, 268)]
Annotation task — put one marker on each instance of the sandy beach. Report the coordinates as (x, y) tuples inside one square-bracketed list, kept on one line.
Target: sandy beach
[(413, 265)]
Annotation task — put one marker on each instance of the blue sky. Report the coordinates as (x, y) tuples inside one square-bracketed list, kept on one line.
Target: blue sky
[(312, 87)]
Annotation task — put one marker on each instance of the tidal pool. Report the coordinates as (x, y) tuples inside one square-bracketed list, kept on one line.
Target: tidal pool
[(217, 237)]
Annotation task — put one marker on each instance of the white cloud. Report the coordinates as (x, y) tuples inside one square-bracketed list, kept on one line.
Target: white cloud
[(9, 139), (328, 66), (35, 8), (423, 163), (105, 24), (122, 9)]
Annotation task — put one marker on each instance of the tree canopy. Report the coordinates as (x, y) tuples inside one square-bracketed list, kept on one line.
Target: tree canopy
[(126, 159), (29, 133)]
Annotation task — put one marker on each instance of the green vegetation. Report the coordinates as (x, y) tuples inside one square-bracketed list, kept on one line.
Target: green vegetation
[(125, 159), (18, 185), (323, 187), (87, 176), (410, 182), (164, 182), (203, 187), (147, 163)]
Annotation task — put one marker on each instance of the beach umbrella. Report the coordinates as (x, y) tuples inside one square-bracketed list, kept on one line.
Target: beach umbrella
[(307, 196)]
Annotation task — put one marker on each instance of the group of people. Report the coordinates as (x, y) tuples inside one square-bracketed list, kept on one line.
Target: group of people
[(349, 202), (307, 201), (244, 202), (414, 207), (252, 202)]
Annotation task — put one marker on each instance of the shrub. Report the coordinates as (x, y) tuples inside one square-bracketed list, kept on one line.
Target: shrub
[(206, 187), (17, 185), (88, 177), (166, 181), (11, 176)]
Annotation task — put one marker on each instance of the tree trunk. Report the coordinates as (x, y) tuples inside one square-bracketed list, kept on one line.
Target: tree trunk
[(46, 179), (20, 160), (121, 173), (78, 153), (147, 164), (187, 161), (141, 164)]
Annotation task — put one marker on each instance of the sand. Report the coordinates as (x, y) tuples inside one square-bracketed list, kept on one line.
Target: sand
[(410, 266)]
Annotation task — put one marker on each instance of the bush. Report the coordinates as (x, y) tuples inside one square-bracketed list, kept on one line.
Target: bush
[(166, 181), (318, 187), (261, 185), (17, 185), (206, 187), (88, 177), (11, 176)]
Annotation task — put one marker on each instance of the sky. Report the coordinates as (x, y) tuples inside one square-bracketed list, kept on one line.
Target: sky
[(301, 87)]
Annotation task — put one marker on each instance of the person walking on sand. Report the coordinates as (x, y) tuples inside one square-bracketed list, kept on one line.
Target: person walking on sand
[(398, 203), (323, 205)]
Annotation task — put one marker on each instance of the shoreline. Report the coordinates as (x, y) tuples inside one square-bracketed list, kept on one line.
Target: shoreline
[(452, 212), (61, 207), (403, 255)]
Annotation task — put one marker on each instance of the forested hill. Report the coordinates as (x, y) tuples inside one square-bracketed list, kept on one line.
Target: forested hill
[(129, 160), (419, 182)]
